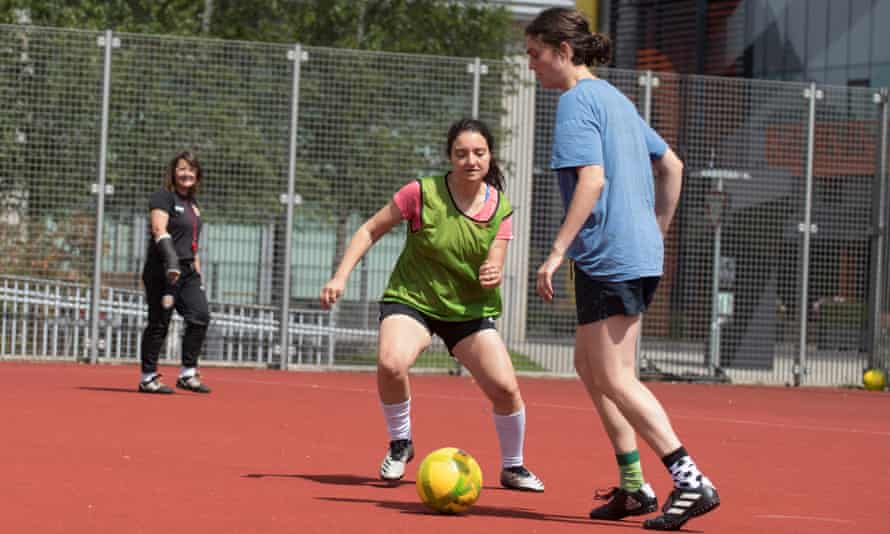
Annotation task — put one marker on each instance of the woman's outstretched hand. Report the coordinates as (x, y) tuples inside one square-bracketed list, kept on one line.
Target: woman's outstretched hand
[(331, 292)]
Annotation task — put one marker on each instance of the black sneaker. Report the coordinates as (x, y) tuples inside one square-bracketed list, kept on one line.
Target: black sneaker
[(154, 385), (401, 451), (682, 505), (192, 383), (622, 503)]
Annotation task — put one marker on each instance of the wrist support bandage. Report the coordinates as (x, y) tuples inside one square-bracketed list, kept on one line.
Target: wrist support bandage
[(168, 252)]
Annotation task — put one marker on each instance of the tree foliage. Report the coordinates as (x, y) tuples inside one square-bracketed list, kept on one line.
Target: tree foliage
[(368, 122), (465, 28)]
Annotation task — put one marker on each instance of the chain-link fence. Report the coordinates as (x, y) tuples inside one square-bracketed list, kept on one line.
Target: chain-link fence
[(775, 267)]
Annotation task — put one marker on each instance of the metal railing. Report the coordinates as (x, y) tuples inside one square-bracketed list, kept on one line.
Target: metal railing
[(49, 319)]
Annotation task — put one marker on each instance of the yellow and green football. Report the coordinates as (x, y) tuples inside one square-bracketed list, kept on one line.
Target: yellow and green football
[(449, 480)]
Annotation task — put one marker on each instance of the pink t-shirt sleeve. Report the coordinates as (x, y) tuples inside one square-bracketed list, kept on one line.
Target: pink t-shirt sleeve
[(408, 200), (505, 231)]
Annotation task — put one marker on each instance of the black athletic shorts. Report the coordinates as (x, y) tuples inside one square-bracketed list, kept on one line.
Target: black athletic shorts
[(596, 300), (451, 332)]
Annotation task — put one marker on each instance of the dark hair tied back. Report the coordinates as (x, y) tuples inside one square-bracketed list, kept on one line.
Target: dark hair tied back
[(600, 50), (559, 25)]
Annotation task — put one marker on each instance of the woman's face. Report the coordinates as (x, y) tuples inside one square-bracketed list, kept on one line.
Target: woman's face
[(185, 176), (546, 62), (470, 156)]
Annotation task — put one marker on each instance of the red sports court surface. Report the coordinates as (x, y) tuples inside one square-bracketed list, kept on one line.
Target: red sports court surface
[(273, 452)]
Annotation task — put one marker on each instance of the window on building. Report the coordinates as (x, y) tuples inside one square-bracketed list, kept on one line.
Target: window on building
[(817, 35), (880, 44), (838, 34), (860, 32)]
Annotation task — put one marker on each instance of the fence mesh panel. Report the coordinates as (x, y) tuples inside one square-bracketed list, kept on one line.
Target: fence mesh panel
[(846, 152), (881, 356), (743, 200), (731, 305), (49, 119)]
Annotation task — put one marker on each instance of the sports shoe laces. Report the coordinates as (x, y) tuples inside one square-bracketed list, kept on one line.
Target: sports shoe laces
[(397, 448), (519, 470), (605, 495)]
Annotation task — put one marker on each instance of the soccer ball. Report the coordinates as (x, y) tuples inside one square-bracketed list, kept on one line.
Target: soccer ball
[(874, 380), (449, 480)]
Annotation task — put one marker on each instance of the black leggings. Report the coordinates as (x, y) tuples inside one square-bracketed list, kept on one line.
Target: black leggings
[(191, 303)]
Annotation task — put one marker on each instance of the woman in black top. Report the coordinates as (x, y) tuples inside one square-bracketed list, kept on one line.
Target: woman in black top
[(172, 276)]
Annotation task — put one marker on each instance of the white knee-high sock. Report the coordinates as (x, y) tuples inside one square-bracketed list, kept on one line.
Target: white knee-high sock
[(511, 433), (398, 419)]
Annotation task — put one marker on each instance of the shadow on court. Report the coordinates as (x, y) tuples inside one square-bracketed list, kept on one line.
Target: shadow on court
[(354, 480), (417, 508), (110, 389), (107, 389), (338, 480)]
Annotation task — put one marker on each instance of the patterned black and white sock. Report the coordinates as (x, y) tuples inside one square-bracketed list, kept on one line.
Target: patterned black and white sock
[(683, 470)]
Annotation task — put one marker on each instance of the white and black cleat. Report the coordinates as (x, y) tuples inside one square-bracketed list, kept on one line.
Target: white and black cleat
[(682, 505), (401, 451), (520, 478)]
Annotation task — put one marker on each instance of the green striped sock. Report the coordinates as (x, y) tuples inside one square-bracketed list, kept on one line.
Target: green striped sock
[(630, 470)]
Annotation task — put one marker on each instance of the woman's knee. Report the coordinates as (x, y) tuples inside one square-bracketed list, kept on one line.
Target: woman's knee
[(157, 328), (198, 317), (609, 380), (504, 396), (581, 366), (392, 365), (615, 386)]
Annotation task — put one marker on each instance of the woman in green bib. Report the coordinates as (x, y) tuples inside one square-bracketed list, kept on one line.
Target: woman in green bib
[(446, 282)]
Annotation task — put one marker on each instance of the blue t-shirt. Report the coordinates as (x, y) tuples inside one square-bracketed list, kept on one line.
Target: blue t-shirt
[(597, 125)]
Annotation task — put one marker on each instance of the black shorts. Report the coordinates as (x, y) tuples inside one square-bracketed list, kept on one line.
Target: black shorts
[(451, 332), (596, 300)]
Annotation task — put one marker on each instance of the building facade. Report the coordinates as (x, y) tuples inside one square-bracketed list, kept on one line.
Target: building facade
[(832, 42)]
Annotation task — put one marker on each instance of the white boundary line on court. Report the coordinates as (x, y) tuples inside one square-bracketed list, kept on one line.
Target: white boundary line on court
[(786, 426), (806, 518)]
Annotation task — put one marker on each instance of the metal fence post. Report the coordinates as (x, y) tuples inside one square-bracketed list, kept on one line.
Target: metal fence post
[(648, 81), (107, 41), (806, 228), (878, 256), (518, 149), (477, 69), (297, 55), (713, 358)]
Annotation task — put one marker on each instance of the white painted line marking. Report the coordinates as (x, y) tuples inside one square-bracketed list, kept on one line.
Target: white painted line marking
[(786, 426), (807, 518)]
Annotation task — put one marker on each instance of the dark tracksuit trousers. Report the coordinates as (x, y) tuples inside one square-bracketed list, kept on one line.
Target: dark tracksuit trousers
[(191, 303)]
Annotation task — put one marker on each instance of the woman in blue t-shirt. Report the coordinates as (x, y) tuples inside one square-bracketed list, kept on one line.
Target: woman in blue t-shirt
[(616, 215)]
